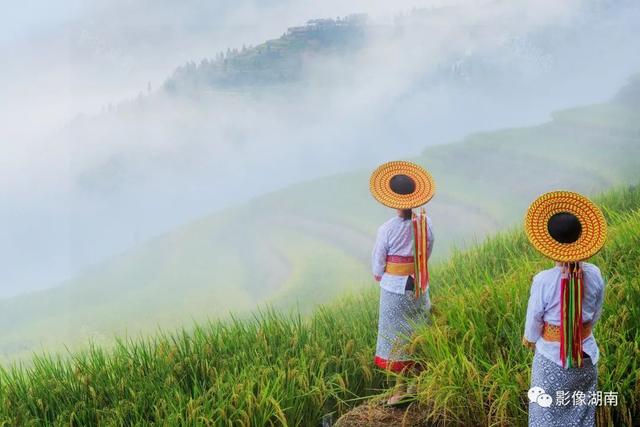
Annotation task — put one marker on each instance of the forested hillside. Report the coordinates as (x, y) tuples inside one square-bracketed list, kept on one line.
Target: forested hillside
[(276, 61)]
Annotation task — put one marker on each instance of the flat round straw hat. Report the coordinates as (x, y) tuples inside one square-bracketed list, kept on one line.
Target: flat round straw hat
[(565, 226), (401, 185)]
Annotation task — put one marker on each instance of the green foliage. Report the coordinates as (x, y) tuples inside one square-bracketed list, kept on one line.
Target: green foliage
[(277, 369)]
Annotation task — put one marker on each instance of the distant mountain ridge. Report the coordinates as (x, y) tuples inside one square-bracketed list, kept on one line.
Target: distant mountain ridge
[(275, 61), (284, 60)]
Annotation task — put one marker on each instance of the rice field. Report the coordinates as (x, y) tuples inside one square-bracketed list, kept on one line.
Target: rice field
[(285, 369)]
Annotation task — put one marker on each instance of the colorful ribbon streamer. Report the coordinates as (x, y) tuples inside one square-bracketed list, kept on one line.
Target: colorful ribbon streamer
[(420, 251), (571, 296)]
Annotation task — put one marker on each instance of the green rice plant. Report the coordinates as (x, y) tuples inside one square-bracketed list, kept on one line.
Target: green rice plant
[(273, 369), (285, 369)]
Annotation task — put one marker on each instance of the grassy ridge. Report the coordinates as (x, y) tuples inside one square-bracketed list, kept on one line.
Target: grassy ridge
[(278, 369)]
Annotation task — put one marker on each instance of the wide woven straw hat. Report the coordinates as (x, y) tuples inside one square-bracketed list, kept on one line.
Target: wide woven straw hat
[(565, 226), (401, 185)]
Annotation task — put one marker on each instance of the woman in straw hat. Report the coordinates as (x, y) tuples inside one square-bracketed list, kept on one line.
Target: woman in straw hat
[(564, 305), (399, 263)]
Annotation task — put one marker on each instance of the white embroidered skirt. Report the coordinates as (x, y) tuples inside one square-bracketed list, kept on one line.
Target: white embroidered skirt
[(563, 385), (398, 316)]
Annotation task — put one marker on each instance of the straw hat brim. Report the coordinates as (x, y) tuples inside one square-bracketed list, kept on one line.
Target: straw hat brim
[(594, 226), (380, 185)]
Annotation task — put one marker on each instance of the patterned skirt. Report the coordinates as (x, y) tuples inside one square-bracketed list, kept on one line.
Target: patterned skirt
[(399, 314), (568, 393)]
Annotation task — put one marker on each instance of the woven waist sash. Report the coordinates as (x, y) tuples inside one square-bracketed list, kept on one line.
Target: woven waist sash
[(552, 332), (400, 265)]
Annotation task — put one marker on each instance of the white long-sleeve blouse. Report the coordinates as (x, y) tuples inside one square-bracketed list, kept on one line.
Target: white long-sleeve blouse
[(395, 237), (544, 306)]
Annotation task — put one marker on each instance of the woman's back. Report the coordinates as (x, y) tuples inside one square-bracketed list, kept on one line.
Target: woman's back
[(549, 282), (398, 235)]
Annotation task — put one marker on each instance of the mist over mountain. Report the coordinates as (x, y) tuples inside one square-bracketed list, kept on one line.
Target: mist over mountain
[(161, 143), (310, 243)]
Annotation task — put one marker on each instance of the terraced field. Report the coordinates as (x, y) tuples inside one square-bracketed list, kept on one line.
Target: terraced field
[(311, 242)]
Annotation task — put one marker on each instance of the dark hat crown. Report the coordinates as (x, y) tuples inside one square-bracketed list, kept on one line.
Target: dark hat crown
[(402, 184), (564, 227)]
